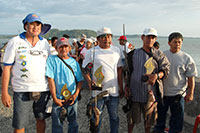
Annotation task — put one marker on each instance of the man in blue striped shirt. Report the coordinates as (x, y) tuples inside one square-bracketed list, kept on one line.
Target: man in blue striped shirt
[(145, 84)]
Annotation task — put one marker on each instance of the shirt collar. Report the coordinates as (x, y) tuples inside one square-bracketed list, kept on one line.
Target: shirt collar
[(23, 36)]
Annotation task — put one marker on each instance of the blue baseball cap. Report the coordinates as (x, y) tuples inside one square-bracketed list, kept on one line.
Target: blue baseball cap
[(32, 17)]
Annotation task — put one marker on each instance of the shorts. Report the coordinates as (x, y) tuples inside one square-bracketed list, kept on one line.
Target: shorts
[(39, 106), (23, 108), (138, 109)]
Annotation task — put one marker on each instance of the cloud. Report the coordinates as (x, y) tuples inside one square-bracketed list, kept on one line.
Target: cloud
[(90, 14)]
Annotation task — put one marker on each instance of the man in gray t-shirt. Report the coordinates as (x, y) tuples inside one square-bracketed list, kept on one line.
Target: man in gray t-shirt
[(182, 75)]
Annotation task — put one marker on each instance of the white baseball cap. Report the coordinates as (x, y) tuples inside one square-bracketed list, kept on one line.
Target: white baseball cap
[(74, 40), (150, 31), (89, 40), (103, 30)]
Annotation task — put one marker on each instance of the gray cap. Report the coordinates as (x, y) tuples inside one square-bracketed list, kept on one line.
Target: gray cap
[(62, 41)]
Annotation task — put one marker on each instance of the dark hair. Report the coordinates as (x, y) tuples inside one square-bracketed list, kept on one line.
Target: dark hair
[(66, 36), (176, 35), (53, 39), (156, 44)]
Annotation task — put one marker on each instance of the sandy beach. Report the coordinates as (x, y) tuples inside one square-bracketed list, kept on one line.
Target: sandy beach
[(192, 110)]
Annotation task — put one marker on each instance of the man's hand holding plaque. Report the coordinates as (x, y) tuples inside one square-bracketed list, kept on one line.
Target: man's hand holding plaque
[(99, 79)]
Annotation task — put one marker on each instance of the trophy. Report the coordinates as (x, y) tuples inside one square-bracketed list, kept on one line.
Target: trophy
[(66, 93), (99, 79), (149, 66)]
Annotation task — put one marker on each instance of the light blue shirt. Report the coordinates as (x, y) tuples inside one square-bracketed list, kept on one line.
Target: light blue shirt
[(62, 75)]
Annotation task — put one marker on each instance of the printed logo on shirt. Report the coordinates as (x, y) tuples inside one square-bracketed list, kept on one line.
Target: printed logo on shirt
[(36, 52), (21, 51), (24, 76), (22, 47), (22, 57), (23, 70), (23, 63)]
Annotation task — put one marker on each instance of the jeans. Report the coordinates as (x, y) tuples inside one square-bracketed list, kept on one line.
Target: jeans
[(176, 105), (57, 125), (112, 106)]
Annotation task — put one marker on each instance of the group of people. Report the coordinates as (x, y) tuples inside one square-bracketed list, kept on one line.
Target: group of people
[(157, 80)]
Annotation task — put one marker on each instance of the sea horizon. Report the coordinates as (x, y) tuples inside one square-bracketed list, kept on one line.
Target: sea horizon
[(191, 45)]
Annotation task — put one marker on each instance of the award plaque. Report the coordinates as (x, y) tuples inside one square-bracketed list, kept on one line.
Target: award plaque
[(99, 76), (65, 92), (149, 66)]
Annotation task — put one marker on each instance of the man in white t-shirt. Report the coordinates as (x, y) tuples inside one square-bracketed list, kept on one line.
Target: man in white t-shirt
[(107, 71), (25, 56)]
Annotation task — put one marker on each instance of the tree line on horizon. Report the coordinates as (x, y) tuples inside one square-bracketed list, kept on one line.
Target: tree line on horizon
[(76, 33)]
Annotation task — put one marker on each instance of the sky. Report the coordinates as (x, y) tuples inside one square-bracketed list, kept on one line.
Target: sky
[(165, 16)]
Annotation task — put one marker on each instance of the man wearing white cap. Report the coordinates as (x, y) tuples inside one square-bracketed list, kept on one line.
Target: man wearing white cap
[(148, 66), (25, 56), (107, 71), (86, 48), (63, 72)]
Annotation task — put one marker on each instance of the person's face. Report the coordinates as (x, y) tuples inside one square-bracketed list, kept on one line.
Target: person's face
[(148, 41), (89, 44), (175, 45), (121, 42), (63, 51), (34, 28), (54, 43), (105, 41)]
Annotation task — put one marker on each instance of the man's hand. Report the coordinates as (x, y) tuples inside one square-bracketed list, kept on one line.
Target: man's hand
[(6, 100), (189, 97), (152, 78), (127, 92), (121, 93), (59, 102)]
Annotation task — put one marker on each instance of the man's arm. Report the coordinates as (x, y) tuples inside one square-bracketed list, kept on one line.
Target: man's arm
[(52, 87), (75, 95), (6, 99), (120, 81), (88, 79), (190, 93)]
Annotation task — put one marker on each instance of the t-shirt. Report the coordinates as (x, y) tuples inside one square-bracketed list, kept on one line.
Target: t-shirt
[(28, 64), (122, 51), (182, 66), (62, 75), (84, 51), (105, 62), (53, 51)]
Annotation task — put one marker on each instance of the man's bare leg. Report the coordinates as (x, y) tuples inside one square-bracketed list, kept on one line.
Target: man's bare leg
[(19, 130), (130, 128), (40, 125)]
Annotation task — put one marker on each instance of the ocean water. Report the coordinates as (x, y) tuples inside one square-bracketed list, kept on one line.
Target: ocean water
[(190, 46)]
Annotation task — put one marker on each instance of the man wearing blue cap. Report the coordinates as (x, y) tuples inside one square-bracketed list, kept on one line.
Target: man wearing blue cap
[(25, 56)]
